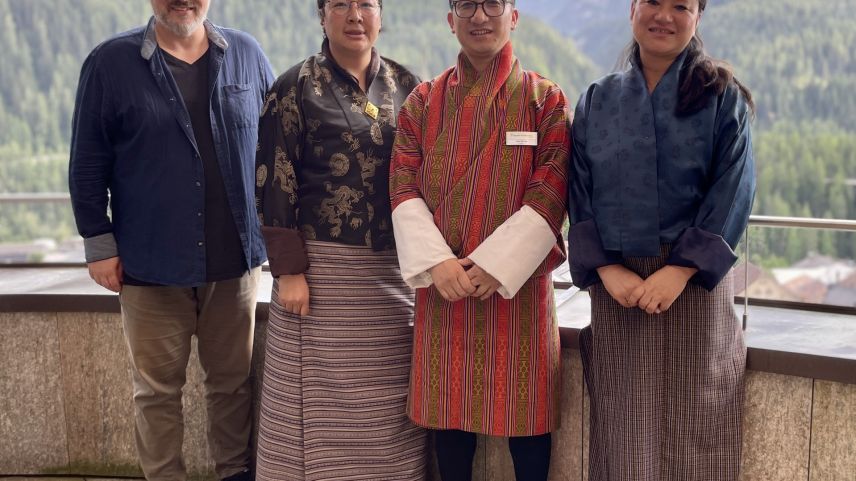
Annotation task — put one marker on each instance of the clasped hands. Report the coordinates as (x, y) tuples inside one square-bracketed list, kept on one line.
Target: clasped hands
[(653, 295), (456, 279)]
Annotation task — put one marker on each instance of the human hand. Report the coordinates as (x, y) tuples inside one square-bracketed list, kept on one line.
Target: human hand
[(620, 282), (660, 289), (107, 273), (293, 294), (451, 280), (485, 284)]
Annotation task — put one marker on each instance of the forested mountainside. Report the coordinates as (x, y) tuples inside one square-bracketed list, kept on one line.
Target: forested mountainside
[(798, 59), (600, 27), (796, 56), (45, 42)]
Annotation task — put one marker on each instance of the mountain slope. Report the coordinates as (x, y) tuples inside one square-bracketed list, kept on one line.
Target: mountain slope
[(796, 55), (45, 42)]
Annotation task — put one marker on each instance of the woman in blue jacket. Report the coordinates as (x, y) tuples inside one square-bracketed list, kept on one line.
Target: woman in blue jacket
[(662, 183)]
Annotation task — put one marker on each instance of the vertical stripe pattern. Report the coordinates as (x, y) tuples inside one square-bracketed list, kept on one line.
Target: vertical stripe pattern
[(335, 382), (491, 366), (488, 367), (666, 390)]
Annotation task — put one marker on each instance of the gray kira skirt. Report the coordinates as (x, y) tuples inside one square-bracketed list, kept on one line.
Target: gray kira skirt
[(335, 382), (666, 390)]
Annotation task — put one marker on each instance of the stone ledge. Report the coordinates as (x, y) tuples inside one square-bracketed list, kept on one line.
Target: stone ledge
[(762, 359), (68, 410)]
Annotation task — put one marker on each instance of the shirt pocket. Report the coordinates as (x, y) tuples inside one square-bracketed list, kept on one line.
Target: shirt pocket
[(240, 106)]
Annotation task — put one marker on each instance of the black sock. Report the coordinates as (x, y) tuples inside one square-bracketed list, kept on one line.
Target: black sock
[(455, 451), (531, 455)]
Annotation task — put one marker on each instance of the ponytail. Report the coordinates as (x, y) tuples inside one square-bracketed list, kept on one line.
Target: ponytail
[(703, 77)]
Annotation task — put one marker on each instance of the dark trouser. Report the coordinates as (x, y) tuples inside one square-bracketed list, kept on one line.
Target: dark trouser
[(456, 449)]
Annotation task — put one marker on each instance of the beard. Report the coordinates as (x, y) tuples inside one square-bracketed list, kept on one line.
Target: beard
[(181, 29)]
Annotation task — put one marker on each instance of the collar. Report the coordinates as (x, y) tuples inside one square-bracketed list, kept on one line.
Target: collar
[(670, 77), (498, 69), (150, 42), (374, 65)]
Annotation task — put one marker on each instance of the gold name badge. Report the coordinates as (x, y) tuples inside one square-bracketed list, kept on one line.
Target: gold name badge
[(372, 110)]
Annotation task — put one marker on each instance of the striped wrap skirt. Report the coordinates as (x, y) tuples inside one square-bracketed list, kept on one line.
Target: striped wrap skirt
[(334, 393), (666, 390)]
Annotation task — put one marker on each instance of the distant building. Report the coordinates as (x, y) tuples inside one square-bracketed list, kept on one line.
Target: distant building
[(762, 284), (839, 295), (828, 270), (843, 293), (821, 279), (849, 281), (808, 289)]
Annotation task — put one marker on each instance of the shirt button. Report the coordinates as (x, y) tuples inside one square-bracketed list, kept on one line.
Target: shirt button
[(198, 184), (172, 99), (199, 214), (187, 125), (200, 243)]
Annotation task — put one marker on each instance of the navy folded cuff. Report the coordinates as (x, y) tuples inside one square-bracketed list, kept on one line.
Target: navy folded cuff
[(705, 251), (586, 253), (286, 251)]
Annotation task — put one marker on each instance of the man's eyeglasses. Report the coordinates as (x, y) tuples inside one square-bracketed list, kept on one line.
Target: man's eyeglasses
[(366, 7), (467, 9)]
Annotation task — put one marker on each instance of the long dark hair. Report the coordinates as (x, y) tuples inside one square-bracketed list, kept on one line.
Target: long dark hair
[(701, 78)]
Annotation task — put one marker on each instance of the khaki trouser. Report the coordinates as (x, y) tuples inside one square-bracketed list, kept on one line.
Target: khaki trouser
[(159, 323)]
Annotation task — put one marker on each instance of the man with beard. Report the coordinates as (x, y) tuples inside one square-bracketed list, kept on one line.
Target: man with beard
[(166, 122)]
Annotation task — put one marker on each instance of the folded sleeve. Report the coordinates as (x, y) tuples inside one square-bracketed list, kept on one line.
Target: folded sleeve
[(708, 245), (515, 249), (586, 253), (91, 162), (530, 240), (585, 248), (407, 149), (420, 244), (548, 183), (278, 157)]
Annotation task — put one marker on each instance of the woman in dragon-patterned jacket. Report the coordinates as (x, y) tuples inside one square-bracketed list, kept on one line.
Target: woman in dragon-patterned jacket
[(339, 337)]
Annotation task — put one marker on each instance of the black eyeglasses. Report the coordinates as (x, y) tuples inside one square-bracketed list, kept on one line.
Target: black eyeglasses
[(467, 9)]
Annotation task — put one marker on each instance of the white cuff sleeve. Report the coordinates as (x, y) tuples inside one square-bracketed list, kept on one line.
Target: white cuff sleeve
[(515, 249), (420, 244)]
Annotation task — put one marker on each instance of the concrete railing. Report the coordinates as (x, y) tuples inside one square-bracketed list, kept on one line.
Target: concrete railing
[(66, 408)]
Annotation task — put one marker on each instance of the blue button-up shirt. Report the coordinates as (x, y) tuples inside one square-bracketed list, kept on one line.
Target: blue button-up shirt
[(132, 136), (642, 176)]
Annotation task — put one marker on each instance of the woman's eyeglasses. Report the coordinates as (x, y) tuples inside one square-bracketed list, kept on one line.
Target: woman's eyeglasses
[(342, 7)]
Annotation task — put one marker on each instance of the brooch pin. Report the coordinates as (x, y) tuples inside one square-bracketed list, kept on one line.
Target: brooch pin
[(371, 110)]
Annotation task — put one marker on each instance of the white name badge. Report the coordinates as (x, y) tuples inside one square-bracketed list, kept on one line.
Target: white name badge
[(521, 138)]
